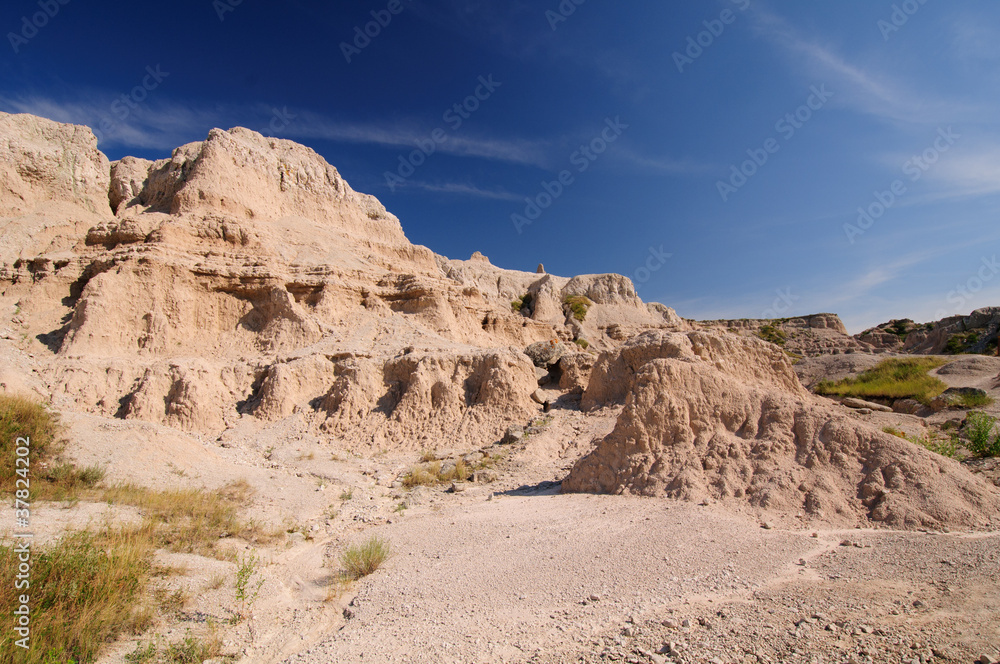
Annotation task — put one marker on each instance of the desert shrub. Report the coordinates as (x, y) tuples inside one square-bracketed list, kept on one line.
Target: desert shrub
[(945, 446), (894, 431), (891, 379), (979, 428), (86, 589), (582, 343), (360, 560), (773, 335), (247, 588), (578, 306)]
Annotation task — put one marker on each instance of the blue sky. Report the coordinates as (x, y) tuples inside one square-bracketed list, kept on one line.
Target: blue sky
[(647, 110)]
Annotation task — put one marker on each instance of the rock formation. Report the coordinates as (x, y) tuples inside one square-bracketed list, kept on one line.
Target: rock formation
[(241, 285), (721, 417), (808, 336)]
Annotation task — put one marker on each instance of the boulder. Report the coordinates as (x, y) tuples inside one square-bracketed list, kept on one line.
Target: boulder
[(851, 402), (546, 354), (954, 396)]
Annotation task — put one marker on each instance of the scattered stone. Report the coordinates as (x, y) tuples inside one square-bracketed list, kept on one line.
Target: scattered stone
[(767, 525), (513, 435), (595, 598), (685, 623)]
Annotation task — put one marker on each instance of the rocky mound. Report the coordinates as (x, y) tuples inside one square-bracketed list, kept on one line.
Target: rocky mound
[(807, 336), (241, 281), (699, 424)]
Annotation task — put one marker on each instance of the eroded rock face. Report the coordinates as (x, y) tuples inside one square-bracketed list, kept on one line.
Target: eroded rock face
[(746, 359), (809, 336), (695, 427)]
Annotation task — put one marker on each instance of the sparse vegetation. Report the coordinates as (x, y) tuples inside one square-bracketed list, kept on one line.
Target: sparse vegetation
[(523, 305), (347, 494), (773, 334), (247, 588), (190, 520), (86, 589), (979, 428), (974, 400), (582, 343), (360, 560), (21, 417), (894, 432), (891, 379), (961, 343), (578, 306), (944, 445), (190, 650)]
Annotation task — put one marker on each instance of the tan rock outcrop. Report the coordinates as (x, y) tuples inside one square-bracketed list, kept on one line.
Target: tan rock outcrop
[(694, 428)]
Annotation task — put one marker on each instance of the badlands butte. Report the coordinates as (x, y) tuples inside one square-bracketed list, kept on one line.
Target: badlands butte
[(564, 472)]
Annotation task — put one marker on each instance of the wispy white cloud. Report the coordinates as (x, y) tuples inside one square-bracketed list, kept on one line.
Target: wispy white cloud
[(463, 189), (512, 150), (863, 89), (663, 164), (163, 125)]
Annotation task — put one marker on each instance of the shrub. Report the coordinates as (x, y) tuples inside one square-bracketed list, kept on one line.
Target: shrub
[(891, 379), (773, 335), (578, 306), (582, 343), (247, 589), (360, 560), (979, 429)]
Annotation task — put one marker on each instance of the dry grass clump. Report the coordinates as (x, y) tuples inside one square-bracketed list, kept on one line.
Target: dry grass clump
[(191, 520), (891, 379), (360, 560), (86, 589)]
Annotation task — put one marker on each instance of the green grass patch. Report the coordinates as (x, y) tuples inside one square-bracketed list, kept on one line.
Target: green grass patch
[(891, 379), (773, 335), (86, 590), (578, 306)]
